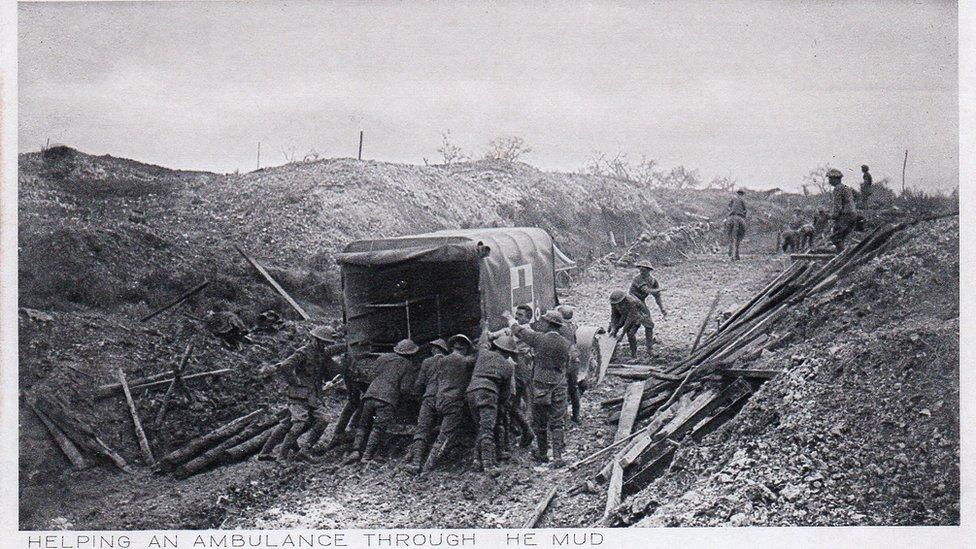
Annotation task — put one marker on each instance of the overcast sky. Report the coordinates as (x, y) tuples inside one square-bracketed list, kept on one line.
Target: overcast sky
[(763, 91)]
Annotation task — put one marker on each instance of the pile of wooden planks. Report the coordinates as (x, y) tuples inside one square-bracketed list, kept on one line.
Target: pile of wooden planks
[(687, 400), (230, 443)]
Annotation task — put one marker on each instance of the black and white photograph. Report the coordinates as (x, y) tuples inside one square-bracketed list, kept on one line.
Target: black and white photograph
[(451, 266)]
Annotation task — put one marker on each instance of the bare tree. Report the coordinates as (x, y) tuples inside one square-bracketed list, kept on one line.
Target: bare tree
[(509, 148), (725, 183), (450, 151), (680, 177), (817, 177), (290, 154)]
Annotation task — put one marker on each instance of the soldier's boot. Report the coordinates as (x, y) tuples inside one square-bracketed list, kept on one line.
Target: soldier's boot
[(541, 452), (488, 461), (290, 444), (376, 439), (558, 444), (314, 435), (357, 447), (649, 341), (417, 451), (632, 342)]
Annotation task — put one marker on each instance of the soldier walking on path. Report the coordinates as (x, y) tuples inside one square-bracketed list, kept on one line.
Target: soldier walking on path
[(645, 284), (305, 371), (490, 387), (552, 353), (453, 377), (735, 223), (843, 211), (627, 315), (395, 378), (426, 388)]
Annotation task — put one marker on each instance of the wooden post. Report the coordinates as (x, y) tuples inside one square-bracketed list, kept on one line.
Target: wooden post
[(274, 284), (540, 509), (259, 155), (904, 165), (177, 301), (360, 156), (143, 443)]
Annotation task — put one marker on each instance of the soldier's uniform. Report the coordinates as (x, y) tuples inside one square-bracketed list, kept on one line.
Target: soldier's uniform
[(820, 222), (395, 377), (453, 377), (628, 313), (807, 235), (867, 186), (515, 407), (490, 387), (737, 206), (305, 371), (549, 388), (425, 387), (568, 331), (843, 210)]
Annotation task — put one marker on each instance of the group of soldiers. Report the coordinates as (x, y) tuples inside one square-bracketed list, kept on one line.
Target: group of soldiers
[(512, 382)]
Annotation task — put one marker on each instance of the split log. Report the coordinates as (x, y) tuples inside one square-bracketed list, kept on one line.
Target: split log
[(137, 425), (540, 509), (134, 387), (274, 284), (183, 297), (69, 449), (202, 442), (628, 414)]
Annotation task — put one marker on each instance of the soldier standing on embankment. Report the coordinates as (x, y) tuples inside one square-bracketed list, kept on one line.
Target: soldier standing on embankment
[(843, 211)]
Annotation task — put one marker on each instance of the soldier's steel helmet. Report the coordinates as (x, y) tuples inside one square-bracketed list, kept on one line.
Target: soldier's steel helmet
[(506, 343), (441, 344), (405, 347), (461, 337), (834, 173), (644, 265), (324, 333), (617, 296), (567, 311), (553, 317)]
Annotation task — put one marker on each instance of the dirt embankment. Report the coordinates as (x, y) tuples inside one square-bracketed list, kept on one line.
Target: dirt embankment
[(862, 428)]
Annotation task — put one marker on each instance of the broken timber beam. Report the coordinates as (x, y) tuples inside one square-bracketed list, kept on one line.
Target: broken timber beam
[(115, 388), (614, 489), (812, 257), (64, 443), (198, 444), (753, 374), (274, 284), (183, 297), (540, 509), (140, 434)]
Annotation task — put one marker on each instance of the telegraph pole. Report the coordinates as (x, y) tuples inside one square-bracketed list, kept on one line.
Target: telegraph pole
[(259, 155), (903, 166), (360, 145)]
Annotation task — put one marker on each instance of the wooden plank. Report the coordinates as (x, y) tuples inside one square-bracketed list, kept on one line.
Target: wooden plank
[(753, 374), (274, 284), (614, 489), (64, 443), (540, 509), (183, 297), (663, 453), (607, 345), (140, 434), (628, 414), (724, 414)]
